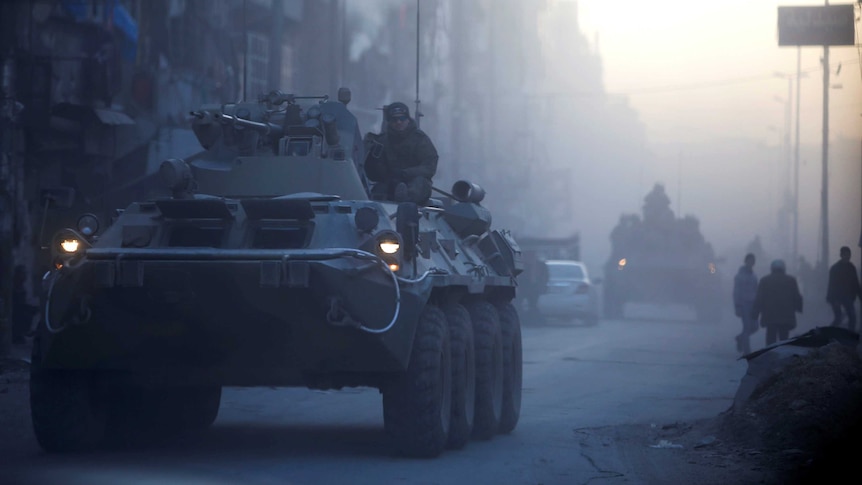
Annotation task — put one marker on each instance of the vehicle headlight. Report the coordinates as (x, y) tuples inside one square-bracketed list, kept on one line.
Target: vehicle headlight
[(388, 243), (389, 246), (621, 264), (88, 225), (69, 245)]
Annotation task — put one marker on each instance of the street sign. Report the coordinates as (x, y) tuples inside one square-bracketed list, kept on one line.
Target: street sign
[(824, 25)]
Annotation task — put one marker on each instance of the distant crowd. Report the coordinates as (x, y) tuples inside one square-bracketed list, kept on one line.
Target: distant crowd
[(772, 302)]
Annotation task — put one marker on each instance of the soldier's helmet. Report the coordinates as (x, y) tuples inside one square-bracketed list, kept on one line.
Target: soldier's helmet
[(397, 109)]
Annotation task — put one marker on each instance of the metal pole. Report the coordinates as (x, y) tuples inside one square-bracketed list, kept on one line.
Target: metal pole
[(344, 79), (787, 168), (418, 116), (275, 41), (244, 54), (824, 192), (796, 161), (679, 185)]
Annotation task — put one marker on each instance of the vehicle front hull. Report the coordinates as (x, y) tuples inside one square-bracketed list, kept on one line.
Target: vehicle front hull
[(231, 322)]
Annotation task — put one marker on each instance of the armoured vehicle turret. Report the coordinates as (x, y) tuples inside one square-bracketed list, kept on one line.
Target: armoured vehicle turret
[(267, 264), (661, 259)]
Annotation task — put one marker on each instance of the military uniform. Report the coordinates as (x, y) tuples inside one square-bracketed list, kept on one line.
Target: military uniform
[(404, 157)]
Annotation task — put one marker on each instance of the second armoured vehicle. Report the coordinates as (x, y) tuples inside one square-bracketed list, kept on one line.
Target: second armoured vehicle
[(267, 264), (661, 259)]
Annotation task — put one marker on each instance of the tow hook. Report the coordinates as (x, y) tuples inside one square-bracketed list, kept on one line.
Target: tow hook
[(84, 312), (338, 316)]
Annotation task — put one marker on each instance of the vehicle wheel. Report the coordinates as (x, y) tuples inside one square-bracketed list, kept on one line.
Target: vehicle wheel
[(510, 328), (204, 411), (418, 404), (463, 375), (66, 410), (188, 408), (488, 343), (142, 415)]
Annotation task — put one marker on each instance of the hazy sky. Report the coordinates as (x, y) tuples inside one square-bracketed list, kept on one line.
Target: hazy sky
[(693, 69), (704, 71)]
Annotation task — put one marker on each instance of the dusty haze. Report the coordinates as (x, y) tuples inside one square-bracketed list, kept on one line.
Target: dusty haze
[(702, 74), (692, 95)]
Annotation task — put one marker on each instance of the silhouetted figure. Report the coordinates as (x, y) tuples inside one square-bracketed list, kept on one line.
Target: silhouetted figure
[(744, 293), (843, 290), (777, 302)]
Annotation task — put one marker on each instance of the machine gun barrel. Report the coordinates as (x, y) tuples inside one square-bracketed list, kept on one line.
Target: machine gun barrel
[(263, 127)]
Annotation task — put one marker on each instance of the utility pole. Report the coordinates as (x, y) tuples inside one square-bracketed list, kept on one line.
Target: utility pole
[(244, 53), (418, 116), (788, 196), (275, 44), (796, 163), (787, 166), (824, 191)]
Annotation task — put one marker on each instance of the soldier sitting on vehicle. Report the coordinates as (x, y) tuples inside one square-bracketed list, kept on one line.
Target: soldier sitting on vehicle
[(401, 160)]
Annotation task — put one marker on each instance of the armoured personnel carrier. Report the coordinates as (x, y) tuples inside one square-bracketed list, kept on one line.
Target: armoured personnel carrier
[(267, 264), (661, 259)]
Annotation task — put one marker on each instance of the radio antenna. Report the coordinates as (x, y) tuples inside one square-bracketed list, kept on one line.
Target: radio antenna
[(418, 113)]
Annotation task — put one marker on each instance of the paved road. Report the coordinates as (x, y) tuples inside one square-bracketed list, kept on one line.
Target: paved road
[(657, 366)]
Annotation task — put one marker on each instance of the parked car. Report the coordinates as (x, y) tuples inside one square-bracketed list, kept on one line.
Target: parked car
[(570, 292)]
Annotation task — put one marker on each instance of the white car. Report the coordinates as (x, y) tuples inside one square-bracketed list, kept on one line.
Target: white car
[(570, 292)]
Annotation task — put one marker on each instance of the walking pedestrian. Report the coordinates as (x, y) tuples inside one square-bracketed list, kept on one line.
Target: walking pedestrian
[(843, 289), (744, 293), (777, 302)]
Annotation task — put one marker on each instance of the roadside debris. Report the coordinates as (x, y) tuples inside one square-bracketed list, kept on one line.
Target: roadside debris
[(665, 444), (706, 441), (799, 401)]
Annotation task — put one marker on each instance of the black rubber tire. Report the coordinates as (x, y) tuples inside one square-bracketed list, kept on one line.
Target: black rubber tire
[(488, 344), (199, 406), (187, 408), (463, 375), (66, 409), (141, 416), (510, 327), (417, 405)]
